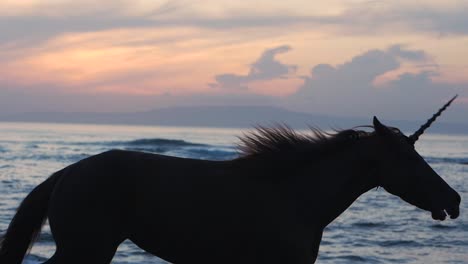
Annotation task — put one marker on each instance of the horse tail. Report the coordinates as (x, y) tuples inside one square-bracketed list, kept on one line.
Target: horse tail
[(26, 225)]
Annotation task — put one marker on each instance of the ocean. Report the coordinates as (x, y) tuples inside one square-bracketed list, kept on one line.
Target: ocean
[(377, 228)]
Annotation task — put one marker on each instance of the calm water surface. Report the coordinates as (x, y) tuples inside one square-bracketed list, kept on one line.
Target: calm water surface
[(378, 228)]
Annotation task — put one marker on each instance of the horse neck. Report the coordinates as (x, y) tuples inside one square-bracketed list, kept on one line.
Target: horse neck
[(340, 178)]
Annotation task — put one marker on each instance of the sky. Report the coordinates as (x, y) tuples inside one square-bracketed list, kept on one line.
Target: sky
[(396, 59)]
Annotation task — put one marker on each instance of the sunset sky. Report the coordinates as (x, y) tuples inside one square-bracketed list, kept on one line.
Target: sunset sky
[(397, 59)]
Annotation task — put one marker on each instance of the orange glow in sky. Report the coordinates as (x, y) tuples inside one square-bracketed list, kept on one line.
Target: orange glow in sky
[(185, 47)]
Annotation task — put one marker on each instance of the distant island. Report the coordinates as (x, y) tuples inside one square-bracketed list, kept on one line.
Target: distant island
[(221, 116)]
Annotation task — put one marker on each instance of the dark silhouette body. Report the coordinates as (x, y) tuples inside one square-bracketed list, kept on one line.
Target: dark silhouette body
[(268, 206)]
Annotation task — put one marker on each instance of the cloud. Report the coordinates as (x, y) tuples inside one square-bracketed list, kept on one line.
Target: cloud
[(32, 29), (350, 87), (411, 55), (48, 20), (370, 17), (263, 69), (407, 82), (361, 70)]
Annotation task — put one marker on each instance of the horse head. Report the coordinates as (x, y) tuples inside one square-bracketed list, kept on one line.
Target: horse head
[(403, 172)]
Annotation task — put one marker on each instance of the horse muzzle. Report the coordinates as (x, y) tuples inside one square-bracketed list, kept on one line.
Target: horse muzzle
[(452, 211)]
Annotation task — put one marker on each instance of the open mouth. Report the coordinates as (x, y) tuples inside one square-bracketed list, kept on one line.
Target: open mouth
[(441, 214)]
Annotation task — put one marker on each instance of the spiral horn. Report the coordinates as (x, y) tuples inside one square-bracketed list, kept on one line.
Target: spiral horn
[(413, 138)]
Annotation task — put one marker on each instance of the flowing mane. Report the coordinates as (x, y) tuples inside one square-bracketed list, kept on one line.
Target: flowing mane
[(281, 139)]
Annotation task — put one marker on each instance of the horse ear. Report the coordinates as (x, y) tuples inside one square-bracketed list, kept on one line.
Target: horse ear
[(380, 128)]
